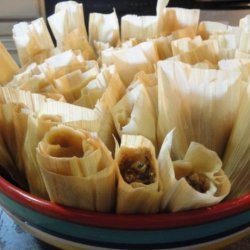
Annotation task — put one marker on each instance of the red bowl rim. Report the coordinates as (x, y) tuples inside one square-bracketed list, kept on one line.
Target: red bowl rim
[(132, 222)]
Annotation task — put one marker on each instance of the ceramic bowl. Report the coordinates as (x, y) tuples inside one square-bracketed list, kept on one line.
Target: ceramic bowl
[(67, 228)]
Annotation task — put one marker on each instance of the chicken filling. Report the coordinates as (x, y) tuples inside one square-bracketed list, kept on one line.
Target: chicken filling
[(199, 182), (137, 171)]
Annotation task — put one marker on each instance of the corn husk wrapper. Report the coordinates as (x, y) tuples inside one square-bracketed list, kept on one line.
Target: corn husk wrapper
[(61, 64), (130, 61), (68, 16), (134, 114), (178, 194), (13, 124), (68, 27), (207, 28), (200, 104), (104, 28), (112, 94), (37, 127), (186, 44), (77, 169), (242, 64), (137, 197), (95, 88), (172, 19), (8, 67), (139, 27), (163, 43), (70, 85), (236, 158), (33, 41), (208, 51), (30, 79), (150, 83), (70, 114)]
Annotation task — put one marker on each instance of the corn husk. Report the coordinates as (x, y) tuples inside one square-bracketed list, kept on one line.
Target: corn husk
[(95, 88), (207, 51), (77, 169), (130, 61), (30, 79), (36, 128), (70, 85), (163, 43), (151, 85), (207, 28), (186, 44), (137, 197), (13, 121), (112, 94), (134, 114), (61, 64), (236, 159), (178, 194), (201, 104), (139, 27), (104, 28), (68, 27), (33, 41), (68, 17), (8, 67), (172, 19)]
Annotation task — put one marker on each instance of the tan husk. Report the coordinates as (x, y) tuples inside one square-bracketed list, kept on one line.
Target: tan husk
[(130, 61), (33, 41), (201, 104), (36, 128), (137, 197), (77, 169), (178, 193), (104, 28), (8, 67), (236, 159), (134, 114), (139, 27)]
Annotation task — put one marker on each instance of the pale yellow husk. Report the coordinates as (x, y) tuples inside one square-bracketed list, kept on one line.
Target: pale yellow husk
[(130, 61), (104, 28), (134, 114), (137, 197), (33, 41), (201, 104), (77, 169), (8, 67), (178, 194), (36, 128), (140, 28), (236, 159)]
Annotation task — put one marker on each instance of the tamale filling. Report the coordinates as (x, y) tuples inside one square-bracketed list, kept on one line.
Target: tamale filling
[(137, 171), (199, 182)]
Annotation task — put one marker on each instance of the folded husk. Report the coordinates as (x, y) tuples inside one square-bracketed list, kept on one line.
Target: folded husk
[(236, 159), (139, 27), (77, 169), (134, 114), (130, 61), (172, 19), (104, 28), (33, 41), (137, 197), (178, 194), (112, 94), (8, 67), (36, 128), (201, 104)]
